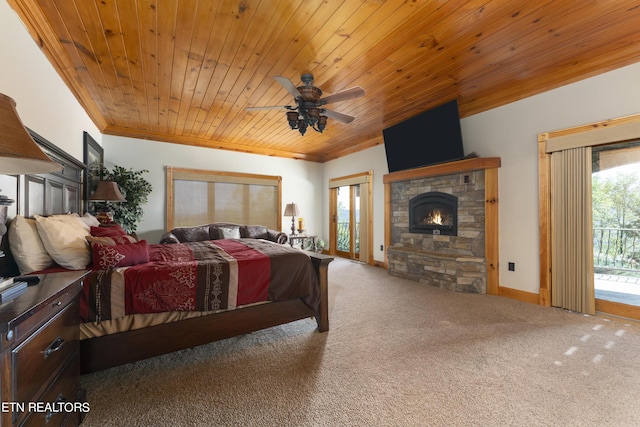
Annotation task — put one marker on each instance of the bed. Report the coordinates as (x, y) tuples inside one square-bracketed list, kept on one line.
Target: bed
[(235, 286)]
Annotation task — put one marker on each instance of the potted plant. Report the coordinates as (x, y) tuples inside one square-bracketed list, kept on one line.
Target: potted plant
[(135, 189)]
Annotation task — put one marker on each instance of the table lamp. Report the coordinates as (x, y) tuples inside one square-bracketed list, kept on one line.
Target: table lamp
[(19, 153), (291, 209), (107, 192)]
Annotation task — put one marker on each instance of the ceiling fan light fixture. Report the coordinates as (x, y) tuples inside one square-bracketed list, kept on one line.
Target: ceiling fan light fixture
[(302, 126), (314, 115), (292, 118), (309, 109), (322, 123)]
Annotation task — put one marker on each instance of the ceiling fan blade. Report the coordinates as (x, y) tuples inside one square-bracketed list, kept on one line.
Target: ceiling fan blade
[(290, 87), (269, 107), (338, 116), (354, 92)]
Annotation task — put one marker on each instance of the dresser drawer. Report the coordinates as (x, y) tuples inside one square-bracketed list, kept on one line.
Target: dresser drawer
[(63, 390), (38, 358), (48, 309)]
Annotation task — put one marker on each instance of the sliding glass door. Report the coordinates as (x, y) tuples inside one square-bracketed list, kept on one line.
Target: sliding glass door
[(616, 220)]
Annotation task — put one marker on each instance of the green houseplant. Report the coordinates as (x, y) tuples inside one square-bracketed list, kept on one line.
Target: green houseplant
[(135, 189)]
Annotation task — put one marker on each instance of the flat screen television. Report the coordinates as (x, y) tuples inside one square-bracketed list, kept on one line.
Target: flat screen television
[(429, 138)]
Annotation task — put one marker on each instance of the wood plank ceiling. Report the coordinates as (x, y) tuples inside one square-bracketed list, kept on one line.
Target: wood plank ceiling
[(183, 71)]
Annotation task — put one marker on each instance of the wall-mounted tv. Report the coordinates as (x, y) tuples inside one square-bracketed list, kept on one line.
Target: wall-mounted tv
[(431, 137)]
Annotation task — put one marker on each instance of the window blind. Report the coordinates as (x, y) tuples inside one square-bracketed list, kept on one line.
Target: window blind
[(200, 197)]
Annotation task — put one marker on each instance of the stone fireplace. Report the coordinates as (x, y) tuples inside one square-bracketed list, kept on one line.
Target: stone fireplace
[(442, 225)]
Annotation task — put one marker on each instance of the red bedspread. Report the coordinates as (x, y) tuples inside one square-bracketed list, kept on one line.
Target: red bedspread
[(201, 276)]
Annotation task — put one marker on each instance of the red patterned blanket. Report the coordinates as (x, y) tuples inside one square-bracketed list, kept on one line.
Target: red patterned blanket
[(201, 276)]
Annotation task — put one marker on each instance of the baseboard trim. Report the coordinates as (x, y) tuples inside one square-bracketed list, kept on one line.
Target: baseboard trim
[(516, 294)]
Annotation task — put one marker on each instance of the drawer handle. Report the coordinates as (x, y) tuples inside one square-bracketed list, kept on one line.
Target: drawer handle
[(53, 347), (50, 414), (57, 304)]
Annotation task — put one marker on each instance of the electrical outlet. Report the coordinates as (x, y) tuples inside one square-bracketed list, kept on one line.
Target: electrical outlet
[(512, 266), (382, 247)]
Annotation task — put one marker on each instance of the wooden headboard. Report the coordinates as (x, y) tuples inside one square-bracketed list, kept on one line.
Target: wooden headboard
[(42, 194)]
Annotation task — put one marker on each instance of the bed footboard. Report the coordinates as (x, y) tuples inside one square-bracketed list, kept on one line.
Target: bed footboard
[(125, 347)]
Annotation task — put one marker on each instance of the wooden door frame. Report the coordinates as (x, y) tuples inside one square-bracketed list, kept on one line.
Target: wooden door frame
[(333, 220), (365, 180)]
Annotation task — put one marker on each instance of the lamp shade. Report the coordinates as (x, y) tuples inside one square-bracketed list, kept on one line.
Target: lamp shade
[(107, 191), (291, 209), (19, 153)]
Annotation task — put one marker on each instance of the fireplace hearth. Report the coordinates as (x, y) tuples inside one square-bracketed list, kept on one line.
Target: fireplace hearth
[(434, 213)]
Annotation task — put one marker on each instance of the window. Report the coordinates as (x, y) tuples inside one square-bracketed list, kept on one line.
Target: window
[(197, 197)]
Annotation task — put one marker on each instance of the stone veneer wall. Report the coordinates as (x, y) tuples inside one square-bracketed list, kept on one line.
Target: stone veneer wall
[(455, 263)]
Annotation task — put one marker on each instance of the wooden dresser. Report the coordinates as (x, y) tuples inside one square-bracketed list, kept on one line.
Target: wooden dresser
[(39, 360)]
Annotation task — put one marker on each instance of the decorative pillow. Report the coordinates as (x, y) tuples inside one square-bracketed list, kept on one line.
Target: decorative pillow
[(112, 241), (192, 234), (64, 238), (229, 233), (26, 246), (107, 256), (90, 220), (112, 230), (254, 231), (71, 218)]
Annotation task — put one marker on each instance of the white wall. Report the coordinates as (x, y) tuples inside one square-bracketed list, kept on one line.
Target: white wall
[(511, 132), (43, 101), (301, 180)]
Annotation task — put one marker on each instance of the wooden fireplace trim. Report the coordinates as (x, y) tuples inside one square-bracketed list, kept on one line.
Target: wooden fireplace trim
[(490, 166)]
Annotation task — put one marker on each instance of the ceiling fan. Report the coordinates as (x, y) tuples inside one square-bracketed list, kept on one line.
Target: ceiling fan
[(309, 110)]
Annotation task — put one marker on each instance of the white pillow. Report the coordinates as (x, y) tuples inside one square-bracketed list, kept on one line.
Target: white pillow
[(65, 239), (90, 220), (27, 248), (230, 232), (71, 218)]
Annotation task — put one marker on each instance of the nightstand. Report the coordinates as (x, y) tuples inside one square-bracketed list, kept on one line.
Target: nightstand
[(39, 353), (304, 240)]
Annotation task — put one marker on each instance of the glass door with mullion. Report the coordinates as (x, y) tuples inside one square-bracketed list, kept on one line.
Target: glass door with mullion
[(616, 233), (346, 221)]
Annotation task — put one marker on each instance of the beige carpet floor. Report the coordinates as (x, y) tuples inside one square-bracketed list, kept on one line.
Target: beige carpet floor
[(399, 353)]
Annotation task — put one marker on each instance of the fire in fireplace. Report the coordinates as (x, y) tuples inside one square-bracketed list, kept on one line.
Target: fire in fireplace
[(434, 213)]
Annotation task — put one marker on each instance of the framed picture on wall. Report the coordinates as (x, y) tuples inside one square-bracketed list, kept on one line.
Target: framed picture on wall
[(94, 160)]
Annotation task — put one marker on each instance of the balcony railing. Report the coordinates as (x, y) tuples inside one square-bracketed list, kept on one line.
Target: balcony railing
[(344, 237), (616, 250)]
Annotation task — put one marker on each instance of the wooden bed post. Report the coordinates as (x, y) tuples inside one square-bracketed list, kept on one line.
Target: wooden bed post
[(321, 265)]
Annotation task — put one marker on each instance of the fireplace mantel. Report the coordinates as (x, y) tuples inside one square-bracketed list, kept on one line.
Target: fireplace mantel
[(489, 166), (459, 166)]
